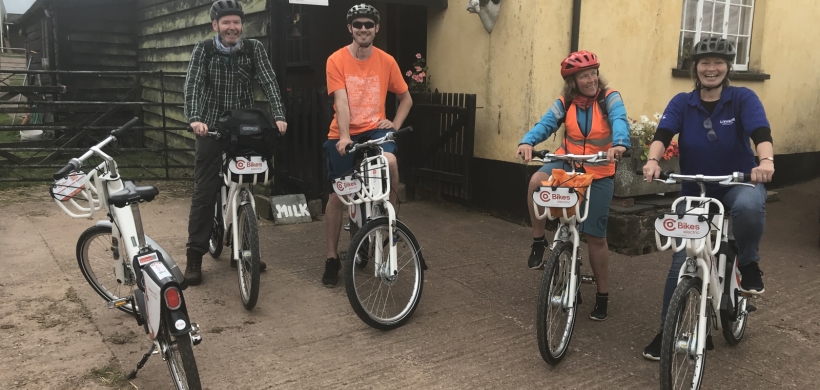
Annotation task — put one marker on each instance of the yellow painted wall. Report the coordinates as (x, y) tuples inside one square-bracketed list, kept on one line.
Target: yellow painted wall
[(515, 70)]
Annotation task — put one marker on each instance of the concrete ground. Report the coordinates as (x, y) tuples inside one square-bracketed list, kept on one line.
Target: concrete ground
[(474, 327)]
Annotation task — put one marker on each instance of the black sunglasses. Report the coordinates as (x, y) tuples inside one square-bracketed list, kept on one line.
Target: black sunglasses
[(359, 25), (711, 134)]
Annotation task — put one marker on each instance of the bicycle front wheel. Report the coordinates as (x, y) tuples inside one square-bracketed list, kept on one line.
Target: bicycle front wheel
[(248, 261), (217, 231), (554, 319), (97, 256), (682, 363), (178, 353), (383, 301)]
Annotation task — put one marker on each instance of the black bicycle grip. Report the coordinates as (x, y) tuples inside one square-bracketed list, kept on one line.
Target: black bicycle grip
[(119, 132), (403, 130), (540, 153), (190, 129), (745, 177), (64, 171)]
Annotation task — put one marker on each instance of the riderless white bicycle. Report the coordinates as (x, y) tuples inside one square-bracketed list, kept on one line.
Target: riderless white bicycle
[(710, 267), (125, 266), (384, 266), (561, 281)]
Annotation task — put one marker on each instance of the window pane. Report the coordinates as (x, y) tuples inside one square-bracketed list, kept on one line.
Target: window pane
[(746, 20), (742, 51), (690, 13), (708, 14), (734, 20)]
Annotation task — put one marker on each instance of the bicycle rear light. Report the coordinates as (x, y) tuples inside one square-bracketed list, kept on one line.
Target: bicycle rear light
[(173, 298)]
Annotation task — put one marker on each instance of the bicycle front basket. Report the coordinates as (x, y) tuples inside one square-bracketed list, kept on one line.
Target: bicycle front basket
[(563, 193), (247, 170), (368, 182)]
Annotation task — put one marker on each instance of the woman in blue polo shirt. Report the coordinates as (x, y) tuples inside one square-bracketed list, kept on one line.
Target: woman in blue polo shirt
[(714, 124)]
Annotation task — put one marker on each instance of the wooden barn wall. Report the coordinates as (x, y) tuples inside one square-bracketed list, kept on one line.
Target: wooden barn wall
[(167, 32)]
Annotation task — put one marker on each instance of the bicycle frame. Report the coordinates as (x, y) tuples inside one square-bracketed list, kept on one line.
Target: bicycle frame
[(233, 196)]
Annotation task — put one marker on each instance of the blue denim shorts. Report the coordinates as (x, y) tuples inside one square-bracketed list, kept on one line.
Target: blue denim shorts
[(337, 164), (600, 192)]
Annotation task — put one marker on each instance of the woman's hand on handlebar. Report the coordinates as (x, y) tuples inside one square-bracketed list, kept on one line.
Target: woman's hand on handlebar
[(341, 146), (651, 170), (199, 129), (764, 172), (282, 126), (615, 153), (524, 151)]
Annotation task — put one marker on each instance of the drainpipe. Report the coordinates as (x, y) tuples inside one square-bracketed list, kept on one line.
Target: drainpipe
[(576, 26)]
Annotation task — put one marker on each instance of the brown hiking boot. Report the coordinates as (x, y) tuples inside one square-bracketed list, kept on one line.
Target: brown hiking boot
[(193, 269)]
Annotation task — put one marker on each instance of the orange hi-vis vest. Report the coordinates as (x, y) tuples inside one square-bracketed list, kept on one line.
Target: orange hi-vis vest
[(599, 138)]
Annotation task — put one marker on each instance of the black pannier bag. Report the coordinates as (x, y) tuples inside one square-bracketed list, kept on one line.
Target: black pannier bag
[(247, 131), (248, 138)]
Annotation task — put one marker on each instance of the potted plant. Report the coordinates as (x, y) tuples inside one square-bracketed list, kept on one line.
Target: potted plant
[(628, 183)]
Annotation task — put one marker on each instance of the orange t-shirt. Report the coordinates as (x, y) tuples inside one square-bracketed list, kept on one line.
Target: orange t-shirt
[(367, 83)]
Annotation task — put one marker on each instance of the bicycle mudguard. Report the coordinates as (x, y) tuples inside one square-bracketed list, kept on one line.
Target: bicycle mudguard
[(158, 279)]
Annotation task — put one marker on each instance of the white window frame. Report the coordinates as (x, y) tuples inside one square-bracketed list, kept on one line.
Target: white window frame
[(734, 36)]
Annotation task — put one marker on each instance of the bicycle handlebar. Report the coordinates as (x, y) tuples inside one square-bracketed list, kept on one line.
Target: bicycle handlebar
[(352, 148), (72, 165), (117, 133), (736, 178), (546, 156), (75, 163)]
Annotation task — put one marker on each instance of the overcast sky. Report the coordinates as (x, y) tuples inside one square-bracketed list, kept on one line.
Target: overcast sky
[(17, 6)]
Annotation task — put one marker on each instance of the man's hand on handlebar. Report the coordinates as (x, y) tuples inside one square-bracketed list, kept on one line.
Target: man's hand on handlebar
[(282, 126), (615, 153), (651, 170), (341, 146), (524, 151), (200, 129)]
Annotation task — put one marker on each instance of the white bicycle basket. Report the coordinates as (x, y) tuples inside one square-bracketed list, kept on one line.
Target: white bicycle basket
[(247, 170), (77, 186), (369, 182)]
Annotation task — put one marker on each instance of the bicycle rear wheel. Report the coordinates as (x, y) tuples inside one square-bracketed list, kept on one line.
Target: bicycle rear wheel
[(248, 262), (215, 244), (681, 363), (554, 321), (96, 256), (178, 353), (383, 301)]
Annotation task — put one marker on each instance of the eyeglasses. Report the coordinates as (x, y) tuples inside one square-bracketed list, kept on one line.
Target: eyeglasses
[(359, 25), (711, 134)]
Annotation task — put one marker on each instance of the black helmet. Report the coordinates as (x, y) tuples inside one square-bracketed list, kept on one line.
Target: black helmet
[(222, 8), (714, 47), (362, 10)]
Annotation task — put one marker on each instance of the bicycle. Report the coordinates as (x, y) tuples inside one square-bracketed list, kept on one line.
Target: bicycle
[(383, 286), (128, 269), (692, 314), (561, 280), (235, 218)]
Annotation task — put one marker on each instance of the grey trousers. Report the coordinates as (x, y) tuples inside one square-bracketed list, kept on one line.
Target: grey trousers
[(206, 187)]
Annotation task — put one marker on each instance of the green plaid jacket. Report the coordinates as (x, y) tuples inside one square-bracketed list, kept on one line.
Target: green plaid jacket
[(227, 83)]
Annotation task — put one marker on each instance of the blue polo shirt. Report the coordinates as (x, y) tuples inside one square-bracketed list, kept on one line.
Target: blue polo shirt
[(737, 115)]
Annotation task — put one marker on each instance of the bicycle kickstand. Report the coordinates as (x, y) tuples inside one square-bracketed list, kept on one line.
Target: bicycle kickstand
[(151, 351)]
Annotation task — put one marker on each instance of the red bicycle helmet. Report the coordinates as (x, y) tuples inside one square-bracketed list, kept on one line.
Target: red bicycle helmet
[(578, 61)]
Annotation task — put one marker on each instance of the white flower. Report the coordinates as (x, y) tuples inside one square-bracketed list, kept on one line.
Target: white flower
[(657, 116), (644, 118)]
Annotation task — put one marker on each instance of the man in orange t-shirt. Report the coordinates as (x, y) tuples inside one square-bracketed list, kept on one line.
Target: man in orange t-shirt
[(359, 77)]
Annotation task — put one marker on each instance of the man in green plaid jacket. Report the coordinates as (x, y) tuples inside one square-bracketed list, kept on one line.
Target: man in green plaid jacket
[(220, 78)]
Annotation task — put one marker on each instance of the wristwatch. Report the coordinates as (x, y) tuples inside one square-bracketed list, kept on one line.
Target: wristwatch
[(767, 158)]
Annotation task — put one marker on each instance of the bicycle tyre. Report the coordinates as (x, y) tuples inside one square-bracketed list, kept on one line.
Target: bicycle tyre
[(554, 284), (734, 324), (367, 292), (215, 244), (95, 257), (680, 327), (178, 353), (247, 265)]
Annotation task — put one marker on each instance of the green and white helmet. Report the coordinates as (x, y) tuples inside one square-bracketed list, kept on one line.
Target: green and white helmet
[(362, 11)]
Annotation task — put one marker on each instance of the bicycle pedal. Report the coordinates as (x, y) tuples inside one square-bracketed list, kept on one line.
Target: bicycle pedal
[(587, 279), (750, 296), (750, 308), (347, 227), (118, 302)]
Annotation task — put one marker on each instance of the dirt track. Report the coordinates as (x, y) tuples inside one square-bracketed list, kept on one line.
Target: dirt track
[(473, 329)]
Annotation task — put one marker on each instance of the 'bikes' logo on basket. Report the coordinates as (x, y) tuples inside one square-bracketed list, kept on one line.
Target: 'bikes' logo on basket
[(687, 227), (347, 186), (559, 197), (242, 165)]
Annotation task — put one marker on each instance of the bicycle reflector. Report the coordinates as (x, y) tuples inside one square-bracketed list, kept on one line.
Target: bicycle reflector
[(173, 299)]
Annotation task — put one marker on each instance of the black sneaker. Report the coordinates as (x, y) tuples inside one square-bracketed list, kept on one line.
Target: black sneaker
[(653, 350), (536, 260), (331, 276), (751, 281), (599, 312)]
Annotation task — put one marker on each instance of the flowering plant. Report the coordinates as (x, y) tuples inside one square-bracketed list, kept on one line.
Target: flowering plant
[(419, 79), (644, 130)]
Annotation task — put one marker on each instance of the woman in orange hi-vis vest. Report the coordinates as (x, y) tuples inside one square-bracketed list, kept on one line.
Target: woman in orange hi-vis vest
[(590, 128)]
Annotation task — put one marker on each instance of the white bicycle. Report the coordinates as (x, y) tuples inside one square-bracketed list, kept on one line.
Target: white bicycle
[(125, 266), (235, 220), (707, 295), (384, 266), (561, 281)]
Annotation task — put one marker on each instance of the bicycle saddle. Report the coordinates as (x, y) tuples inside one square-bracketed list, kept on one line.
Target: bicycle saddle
[(131, 193)]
